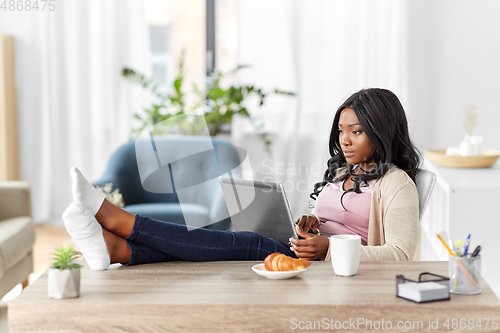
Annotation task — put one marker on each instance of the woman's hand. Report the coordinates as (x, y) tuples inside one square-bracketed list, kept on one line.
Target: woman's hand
[(311, 247), (308, 221)]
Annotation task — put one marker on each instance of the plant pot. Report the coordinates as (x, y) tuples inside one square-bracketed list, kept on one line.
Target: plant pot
[(63, 283)]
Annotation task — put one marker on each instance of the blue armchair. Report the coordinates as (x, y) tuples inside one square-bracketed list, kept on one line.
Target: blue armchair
[(175, 178)]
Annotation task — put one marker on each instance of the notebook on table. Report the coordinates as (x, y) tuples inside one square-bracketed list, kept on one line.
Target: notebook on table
[(429, 287), (423, 291)]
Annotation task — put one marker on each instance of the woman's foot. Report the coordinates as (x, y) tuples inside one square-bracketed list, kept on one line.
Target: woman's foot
[(84, 194), (87, 234), (111, 217)]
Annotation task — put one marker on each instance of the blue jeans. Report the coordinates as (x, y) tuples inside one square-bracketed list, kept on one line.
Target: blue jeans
[(156, 241)]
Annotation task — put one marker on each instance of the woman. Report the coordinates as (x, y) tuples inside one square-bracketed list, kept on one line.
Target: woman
[(368, 189)]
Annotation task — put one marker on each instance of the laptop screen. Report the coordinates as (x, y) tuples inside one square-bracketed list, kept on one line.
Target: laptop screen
[(260, 207)]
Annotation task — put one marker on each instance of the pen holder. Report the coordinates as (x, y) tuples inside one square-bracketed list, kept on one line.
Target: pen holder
[(465, 275)]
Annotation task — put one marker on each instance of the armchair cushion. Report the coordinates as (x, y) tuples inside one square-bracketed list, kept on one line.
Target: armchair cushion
[(15, 199), (17, 236)]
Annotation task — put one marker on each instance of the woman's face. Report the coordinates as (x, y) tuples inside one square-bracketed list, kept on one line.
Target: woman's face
[(356, 146)]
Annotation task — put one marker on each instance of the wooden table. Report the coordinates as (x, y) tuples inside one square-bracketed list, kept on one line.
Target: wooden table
[(229, 296)]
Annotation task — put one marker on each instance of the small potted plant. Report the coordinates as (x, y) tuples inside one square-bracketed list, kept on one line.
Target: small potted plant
[(64, 273)]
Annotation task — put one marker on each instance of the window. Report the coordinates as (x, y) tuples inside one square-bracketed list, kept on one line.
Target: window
[(177, 25)]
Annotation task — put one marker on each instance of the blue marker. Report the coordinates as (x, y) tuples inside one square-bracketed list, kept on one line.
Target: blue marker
[(466, 249)]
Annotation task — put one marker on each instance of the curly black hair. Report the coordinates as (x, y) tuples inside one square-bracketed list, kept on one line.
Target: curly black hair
[(384, 122)]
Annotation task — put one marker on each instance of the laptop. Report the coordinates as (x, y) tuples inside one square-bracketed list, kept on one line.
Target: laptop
[(260, 207)]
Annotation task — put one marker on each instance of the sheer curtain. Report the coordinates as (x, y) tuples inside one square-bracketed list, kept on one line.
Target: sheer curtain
[(74, 106), (324, 51)]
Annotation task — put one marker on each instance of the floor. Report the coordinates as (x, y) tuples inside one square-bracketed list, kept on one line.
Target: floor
[(47, 238)]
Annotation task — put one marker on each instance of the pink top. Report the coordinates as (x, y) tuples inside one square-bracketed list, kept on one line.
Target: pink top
[(335, 220)]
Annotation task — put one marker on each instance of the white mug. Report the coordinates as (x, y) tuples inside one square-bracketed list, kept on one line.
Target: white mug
[(345, 252)]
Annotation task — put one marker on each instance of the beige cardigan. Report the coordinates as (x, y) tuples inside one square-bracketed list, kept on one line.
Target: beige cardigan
[(394, 225)]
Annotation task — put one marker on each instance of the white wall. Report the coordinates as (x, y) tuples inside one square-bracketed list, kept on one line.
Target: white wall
[(453, 53), (74, 107)]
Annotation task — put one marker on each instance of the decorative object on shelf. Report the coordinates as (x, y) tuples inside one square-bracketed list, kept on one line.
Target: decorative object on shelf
[(64, 273), (487, 159), (471, 145), (218, 103), (470, 153), (468, 118), (115, 197)]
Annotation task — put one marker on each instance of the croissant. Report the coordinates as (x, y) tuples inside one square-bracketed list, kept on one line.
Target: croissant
[(281, 262)]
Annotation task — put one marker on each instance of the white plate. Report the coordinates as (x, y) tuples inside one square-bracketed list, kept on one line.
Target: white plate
[(276, 275)]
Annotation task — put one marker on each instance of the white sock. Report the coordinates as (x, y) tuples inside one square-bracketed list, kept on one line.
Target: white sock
[(84, 193), (87, 234)]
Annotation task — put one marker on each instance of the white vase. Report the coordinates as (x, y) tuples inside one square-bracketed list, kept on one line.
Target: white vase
[(471, 146), (63, 283)]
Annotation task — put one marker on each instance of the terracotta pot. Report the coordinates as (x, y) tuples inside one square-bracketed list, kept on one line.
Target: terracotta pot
[(63, 283)]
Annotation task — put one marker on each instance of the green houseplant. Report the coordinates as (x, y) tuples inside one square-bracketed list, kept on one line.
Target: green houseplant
[(64, 273), (218, 103)]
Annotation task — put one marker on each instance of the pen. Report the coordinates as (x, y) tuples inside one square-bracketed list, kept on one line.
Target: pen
[(470, 277), (444, 243), (467, 246), (476, 251), (474, 282), (458, 247), (444, 236)]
